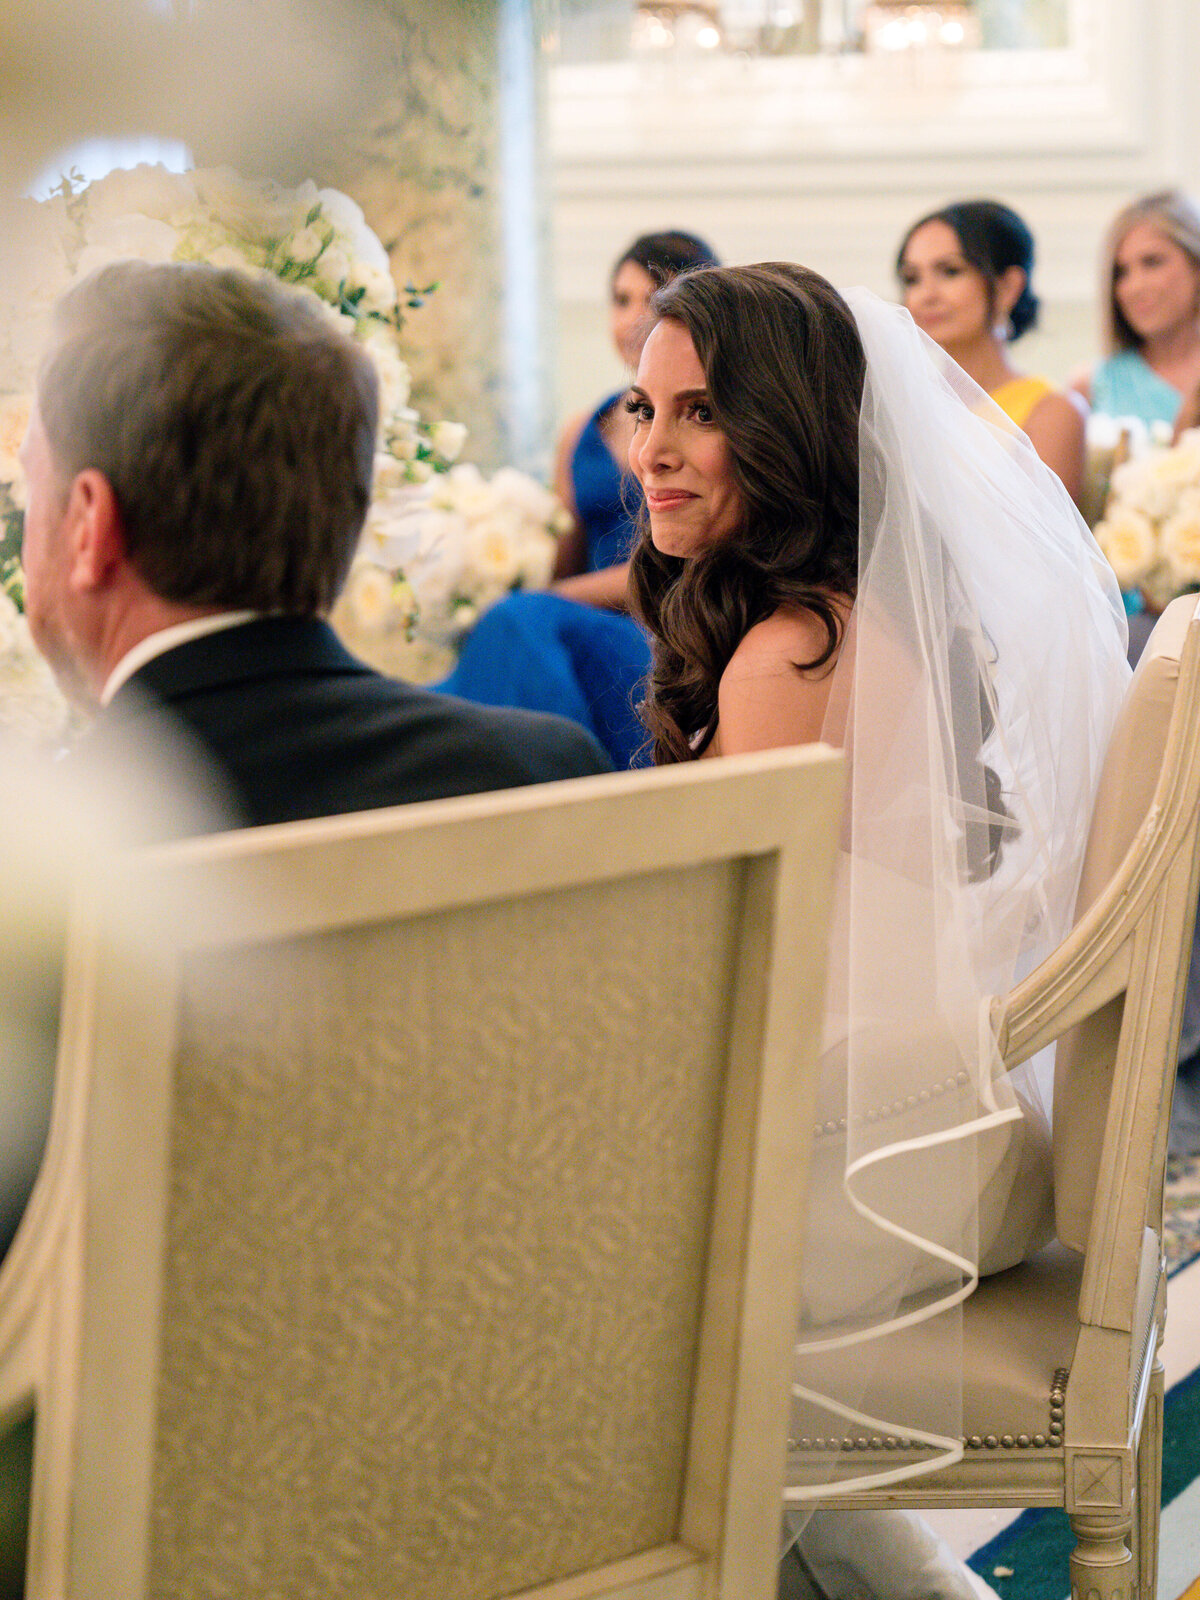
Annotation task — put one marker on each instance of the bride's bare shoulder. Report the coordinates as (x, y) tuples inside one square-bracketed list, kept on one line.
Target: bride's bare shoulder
[(768, 694), (784, 642)]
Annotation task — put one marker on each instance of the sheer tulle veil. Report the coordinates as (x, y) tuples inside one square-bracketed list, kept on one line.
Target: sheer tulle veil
[(975, 693)]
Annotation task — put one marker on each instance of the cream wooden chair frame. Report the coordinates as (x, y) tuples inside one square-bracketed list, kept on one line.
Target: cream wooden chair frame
[(1063, 1388), (82, 1325)]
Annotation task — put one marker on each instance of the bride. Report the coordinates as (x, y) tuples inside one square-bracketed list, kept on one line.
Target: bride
[(844, 540)]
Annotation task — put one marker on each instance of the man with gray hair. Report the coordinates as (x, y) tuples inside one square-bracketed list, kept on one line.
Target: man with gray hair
[(199, 469)]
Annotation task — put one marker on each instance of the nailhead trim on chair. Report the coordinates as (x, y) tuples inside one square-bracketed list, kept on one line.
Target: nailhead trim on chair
[(894, 1109), (1051, 1439)]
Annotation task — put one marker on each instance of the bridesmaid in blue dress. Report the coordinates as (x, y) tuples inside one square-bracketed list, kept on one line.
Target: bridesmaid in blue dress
[(575, 650)]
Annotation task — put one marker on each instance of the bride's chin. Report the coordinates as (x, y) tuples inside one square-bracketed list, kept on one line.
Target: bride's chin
[(675, 542)]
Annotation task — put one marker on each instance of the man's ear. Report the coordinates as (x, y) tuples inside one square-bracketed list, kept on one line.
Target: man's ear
[(95, 531)]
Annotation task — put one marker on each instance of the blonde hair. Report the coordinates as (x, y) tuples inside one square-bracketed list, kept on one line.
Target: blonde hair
[(1174, 214)]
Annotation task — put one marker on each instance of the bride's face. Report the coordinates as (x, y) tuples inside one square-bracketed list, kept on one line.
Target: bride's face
[(678, 454)]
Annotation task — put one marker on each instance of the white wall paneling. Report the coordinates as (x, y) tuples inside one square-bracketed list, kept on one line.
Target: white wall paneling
[(828, 159)]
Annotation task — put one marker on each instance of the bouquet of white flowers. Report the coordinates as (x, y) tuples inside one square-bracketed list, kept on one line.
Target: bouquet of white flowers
[(432, 559), (318, 241), (1150, 531)]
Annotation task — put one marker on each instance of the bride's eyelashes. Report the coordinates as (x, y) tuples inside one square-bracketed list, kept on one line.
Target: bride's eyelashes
[(696, 410)]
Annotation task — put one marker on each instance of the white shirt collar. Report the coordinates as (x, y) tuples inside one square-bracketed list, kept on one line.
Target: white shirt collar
[(157, 644)]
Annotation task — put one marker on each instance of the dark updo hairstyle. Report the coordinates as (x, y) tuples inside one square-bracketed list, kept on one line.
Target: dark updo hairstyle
[(992, 239), (784, 370), (663, 255)]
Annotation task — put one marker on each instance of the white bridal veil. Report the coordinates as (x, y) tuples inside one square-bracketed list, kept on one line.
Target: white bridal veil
[(975, 694)]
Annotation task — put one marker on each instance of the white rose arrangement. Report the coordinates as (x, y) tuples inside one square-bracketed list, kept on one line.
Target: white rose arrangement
[(433, 559), (491, 536), (1150, 531)]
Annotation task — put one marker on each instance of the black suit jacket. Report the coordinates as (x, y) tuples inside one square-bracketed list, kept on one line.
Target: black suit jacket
[(294, 726)]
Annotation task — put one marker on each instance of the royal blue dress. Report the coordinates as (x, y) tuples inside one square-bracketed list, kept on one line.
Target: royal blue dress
[(547, 653)]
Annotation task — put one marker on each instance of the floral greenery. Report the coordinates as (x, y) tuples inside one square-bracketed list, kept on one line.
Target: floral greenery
[(10, 548), (317, 241)]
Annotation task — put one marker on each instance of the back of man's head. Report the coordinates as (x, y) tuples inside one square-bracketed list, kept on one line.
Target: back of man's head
[(235, 423)]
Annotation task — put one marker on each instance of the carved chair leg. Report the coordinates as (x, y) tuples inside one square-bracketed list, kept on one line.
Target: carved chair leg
[(1149, 1486), (1101, 1562)]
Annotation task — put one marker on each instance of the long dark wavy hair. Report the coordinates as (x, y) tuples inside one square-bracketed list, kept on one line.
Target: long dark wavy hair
[(784, 370)]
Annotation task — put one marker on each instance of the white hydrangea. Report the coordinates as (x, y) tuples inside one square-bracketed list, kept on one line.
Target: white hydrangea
[(1127, 538)]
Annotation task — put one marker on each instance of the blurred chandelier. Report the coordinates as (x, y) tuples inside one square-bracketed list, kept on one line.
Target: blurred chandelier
[(670, 24), (892, 25), (767, 26)]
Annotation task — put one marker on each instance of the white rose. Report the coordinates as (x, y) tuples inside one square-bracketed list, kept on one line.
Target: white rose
[(395, 380), (491, 557), (1155, 482), (125, 238), (397, 523), (448, 438), (1128, 541), (390, 472), (368, 597), (436, 581), (305, 246), (149, 190), (378, 283), (346, 216), (302, 200), (334, 266), (523, 492), (403, 446), (1181, 544), (254, 211), (442, 532)]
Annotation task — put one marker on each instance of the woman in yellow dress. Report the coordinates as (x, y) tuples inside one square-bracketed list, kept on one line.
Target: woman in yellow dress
[(965, 272)]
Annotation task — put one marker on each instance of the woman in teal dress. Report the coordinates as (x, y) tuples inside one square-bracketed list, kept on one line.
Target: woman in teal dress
[(1151, 292), (575, 650), (1151, 288)]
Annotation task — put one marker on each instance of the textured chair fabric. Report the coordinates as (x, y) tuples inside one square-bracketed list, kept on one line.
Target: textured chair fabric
[(421, 1208)]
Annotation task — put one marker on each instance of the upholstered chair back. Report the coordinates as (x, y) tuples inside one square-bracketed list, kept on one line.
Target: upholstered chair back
[(1087, 1053), (436, 1211)]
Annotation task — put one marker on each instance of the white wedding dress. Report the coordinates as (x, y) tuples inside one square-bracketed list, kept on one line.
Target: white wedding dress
[(975, 695)]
